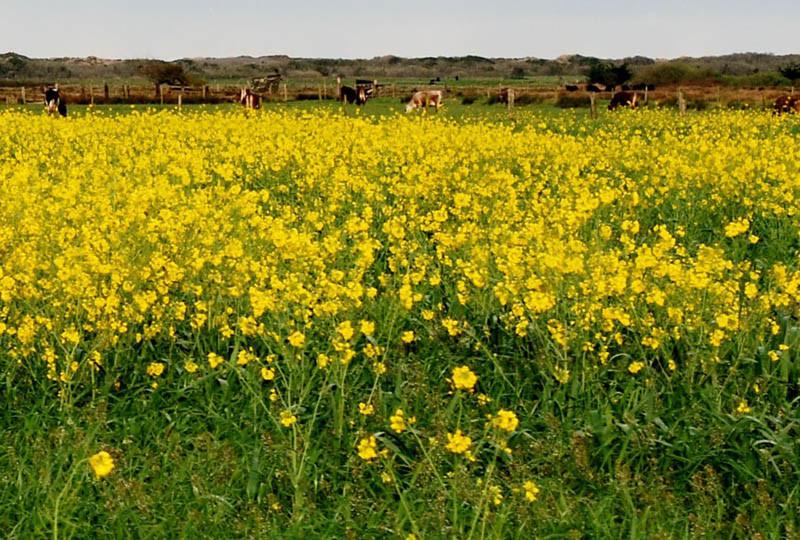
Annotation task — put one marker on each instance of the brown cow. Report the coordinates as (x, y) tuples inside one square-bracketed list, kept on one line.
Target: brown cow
[(250, 99), (623, 99), (424, 98), (786, 104)]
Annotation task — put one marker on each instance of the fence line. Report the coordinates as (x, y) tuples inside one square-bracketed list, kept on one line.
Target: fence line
[(124, 93)]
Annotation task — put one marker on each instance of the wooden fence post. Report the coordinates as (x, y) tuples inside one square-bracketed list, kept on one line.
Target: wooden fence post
[(105, 91), (681, 102), (161, 93), (91, 94), (285, 92), (205, 91), (22, 95), (319, 93), (338, 87), (511, 98), (593, 104), (645, 94), (180, 101)]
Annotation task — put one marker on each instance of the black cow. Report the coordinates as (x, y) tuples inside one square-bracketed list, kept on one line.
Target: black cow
[(623, 99), (53, 102), (572, 87), (357, 95)]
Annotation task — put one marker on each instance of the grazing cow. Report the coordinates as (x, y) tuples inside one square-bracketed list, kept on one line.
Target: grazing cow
[(623, 99), (786, 104), (571, 87), (425, 98), (249, 99), (595, 88), (53, 102), (357, 95)]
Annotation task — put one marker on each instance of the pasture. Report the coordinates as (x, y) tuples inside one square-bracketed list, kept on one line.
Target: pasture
[(309, 323)]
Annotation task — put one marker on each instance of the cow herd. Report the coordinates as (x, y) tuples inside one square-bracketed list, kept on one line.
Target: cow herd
[(422, 99)]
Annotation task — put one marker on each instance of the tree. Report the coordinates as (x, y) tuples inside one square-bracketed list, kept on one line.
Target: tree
[(791, 72), (165, 73), (608, 74)]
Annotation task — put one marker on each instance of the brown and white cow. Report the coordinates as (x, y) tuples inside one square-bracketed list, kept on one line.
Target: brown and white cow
[(249, 99), (623, 99), (425, 98), (786, 104)]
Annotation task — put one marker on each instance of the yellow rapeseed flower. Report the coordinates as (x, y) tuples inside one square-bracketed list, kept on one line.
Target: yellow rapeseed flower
[(102, 464), (368, 448), (287, 418), (463, 378), (457, 442)]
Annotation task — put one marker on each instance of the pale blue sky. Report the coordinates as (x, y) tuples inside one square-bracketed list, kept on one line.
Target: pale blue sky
[(172, 29)]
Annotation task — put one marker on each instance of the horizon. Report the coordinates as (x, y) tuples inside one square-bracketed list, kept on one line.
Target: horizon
[(364, 58), (408, 29)]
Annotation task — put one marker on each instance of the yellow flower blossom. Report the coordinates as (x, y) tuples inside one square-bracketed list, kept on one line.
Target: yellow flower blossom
[(463, 378), (102, 464)]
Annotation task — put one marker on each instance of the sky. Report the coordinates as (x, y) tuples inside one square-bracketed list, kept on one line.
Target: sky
[(171, 29)]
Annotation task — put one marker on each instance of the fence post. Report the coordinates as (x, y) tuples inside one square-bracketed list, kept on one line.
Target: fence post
[(105, 91), (91, 94), (285, 92), (593, 104), (22, 95), (205, 91), (394, 91), (681, 102), (161, 93), (319, 93), (180, 101), (645, 94), (511, 98)]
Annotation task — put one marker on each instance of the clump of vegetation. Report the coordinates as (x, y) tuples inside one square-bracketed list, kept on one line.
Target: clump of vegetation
[(170, 73), (609, 74), (791, 72)]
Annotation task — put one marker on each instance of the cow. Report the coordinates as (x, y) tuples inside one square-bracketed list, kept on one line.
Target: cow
[(425, 98), (623, 99), (595, 88), (249, 99), (786, 104), (571, 87), (357, 95), (53, 102)]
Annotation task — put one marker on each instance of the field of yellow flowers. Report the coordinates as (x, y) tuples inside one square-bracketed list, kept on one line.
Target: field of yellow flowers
[(294, 324)]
